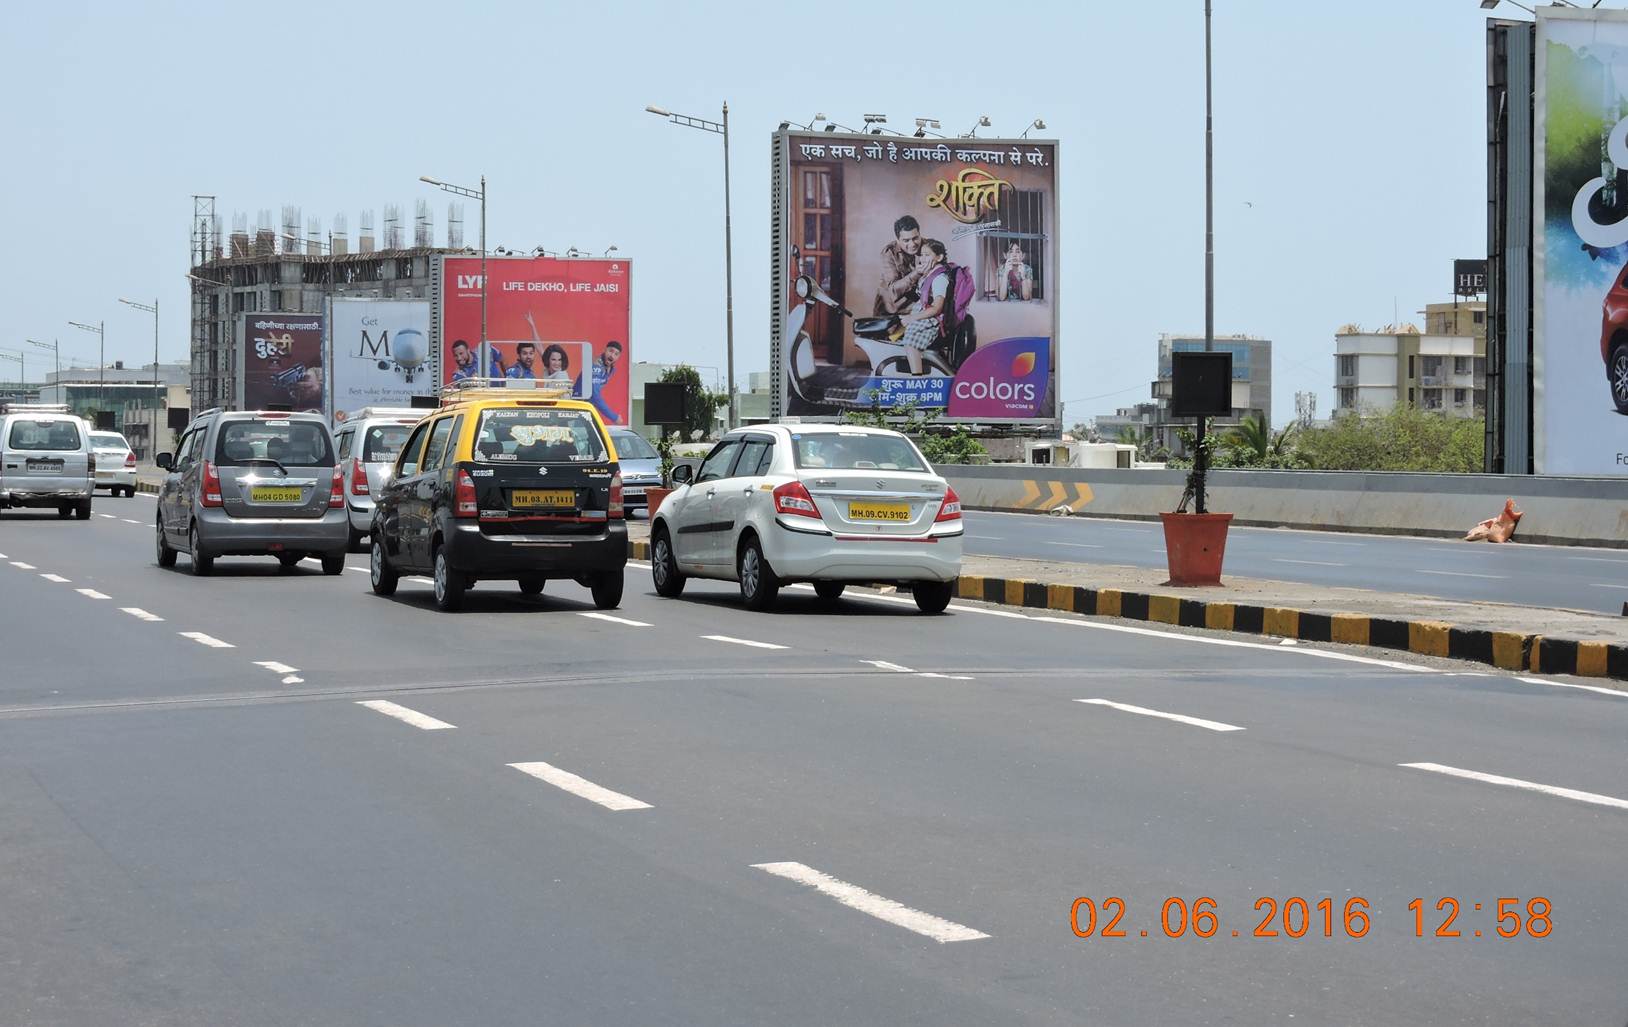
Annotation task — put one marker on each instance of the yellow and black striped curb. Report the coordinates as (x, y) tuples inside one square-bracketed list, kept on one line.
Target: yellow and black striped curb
[(1508, 650)]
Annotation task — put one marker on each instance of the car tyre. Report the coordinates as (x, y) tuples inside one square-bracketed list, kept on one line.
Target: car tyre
[(932, 596), (607, 590), (64, 510), (166, 555), (532, 584), (353, 542), (1617, 374), (333, 563), (829, 591), (289, 561), (202, 563), (757, 580), (664, 572), (450, 584), (81, 510), (383, 576)]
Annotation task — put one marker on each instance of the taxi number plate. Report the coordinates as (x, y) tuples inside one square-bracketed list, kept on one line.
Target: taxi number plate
[(879, 512), (274, 494), (531, 498)]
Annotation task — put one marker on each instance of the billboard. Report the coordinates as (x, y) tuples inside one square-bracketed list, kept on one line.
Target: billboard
[(282, 362), (379, 353), (1580, 244), (916, 271), (545, 318)]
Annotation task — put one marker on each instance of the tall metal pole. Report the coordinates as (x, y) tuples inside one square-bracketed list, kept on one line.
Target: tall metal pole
[(484, 370), (1209, 241), (157, 398), (729, 279), (101, 349)]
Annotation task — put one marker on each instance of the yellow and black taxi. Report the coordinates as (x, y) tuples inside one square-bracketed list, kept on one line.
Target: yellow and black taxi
[(512, 483)]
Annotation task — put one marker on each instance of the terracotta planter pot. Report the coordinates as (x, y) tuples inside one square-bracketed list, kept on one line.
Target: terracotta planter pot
[(653, 496), (1194, 545)]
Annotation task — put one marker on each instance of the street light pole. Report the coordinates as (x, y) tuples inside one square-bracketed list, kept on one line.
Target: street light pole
[(100, 328), (721, 128), (480, 195), (55, 350), (153, 310), (1201, 456)]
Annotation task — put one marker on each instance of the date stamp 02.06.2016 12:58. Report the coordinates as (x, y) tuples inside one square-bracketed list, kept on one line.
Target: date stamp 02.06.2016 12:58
[(1296, 917)]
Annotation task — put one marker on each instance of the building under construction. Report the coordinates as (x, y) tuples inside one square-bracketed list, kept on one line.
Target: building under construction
[(295, 268)]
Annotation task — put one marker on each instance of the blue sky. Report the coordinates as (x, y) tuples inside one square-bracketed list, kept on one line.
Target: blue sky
[(1350, 151)]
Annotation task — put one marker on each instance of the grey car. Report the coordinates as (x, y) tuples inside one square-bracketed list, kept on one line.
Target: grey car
[(368, 445), (640, 465), (249, 483), (46, 459)]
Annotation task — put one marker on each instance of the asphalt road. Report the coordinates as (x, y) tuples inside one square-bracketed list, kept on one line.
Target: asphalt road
[(1564, 577), (885, 819)]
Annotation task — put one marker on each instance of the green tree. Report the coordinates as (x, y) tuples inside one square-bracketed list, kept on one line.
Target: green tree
[(1403, 438), (1254, 444), (699, 402), (938, 444)]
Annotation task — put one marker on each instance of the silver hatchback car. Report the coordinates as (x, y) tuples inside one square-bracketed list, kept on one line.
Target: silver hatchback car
[(253, 483)]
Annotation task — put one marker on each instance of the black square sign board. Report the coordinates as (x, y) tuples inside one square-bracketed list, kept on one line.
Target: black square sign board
[(1201, 384)]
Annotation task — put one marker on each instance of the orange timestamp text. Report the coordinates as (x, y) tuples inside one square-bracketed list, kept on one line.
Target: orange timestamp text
[(1297, 917)]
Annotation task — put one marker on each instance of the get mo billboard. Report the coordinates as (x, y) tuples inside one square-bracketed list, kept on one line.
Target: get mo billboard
[(916, 272), (380, 353), (545, 318)]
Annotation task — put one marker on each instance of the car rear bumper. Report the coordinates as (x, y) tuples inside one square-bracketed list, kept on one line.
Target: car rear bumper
[(361, 513), (508, 556), (120, 477), (805, 556), (222, 535), (43, 495)]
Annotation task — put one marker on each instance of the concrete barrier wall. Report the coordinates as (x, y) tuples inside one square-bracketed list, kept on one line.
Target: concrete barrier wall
[(1575, 511)]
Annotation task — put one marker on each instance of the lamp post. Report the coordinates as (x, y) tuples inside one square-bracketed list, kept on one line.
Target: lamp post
[(153, 310), (720, 128), (100, 328), (1201, 456), (55, 351), (476, 194), (22, 374)]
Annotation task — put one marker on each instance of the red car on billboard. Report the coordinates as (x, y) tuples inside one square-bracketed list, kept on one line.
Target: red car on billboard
[(1614, 341)]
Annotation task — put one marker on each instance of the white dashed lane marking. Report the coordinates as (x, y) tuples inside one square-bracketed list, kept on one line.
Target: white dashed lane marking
[(595, 615), (743, 641), (1208, 725), (91, 593), (140, 614), (23, 566), (580, 786), (855, 897), (423, 721), (208, 640), (898, 669), (1592, 798), (59, 579)]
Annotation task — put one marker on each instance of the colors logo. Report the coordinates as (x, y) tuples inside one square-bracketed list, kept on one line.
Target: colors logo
[(1005, 379)]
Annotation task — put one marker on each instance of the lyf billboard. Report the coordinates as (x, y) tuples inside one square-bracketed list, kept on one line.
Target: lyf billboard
[(282, 362), (380, 353), (546, 318), (916, 273), (1580, 244)]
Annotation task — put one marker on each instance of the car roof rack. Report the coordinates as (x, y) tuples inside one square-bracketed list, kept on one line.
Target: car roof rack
[(34, 408), (416, 413), (470, 389)]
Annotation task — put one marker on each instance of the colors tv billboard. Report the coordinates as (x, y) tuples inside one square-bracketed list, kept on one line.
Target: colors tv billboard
[(380, 353), (282, 362), (545, 318), (1580, 244), (916, 272)]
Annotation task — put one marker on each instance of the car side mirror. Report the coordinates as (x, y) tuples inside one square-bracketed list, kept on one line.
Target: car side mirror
[(166, 461), (682, 474)]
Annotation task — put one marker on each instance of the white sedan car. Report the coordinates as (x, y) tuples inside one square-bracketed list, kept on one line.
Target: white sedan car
[(115, 463), (827, 503)]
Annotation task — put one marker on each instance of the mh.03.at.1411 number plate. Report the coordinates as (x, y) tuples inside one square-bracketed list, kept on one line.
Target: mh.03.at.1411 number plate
[(534, 498), (878, 511), (274, 494)]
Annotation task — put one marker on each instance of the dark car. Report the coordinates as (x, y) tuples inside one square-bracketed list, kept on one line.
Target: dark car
[(1614, 341), (499, 485)]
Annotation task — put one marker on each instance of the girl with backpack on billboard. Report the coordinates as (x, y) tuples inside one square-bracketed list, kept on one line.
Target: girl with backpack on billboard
[(946, 292)]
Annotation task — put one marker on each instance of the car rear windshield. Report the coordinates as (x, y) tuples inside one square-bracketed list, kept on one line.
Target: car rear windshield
[(108, 440), (538, 435), (632, 446), (383, 443), (850, 451), (290, 443), (44, 435)]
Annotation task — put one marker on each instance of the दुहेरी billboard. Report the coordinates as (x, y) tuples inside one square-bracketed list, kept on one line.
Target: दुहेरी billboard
[(282, 362), (380, 353), (917, 272), (1580, 249), (546, 318)]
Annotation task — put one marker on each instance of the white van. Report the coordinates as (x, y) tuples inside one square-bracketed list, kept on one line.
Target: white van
[(46, 459)]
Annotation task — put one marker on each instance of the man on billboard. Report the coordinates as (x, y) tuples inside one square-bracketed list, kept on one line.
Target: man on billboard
[(525, 355), (465, 361), (603, 367), (900, 274)]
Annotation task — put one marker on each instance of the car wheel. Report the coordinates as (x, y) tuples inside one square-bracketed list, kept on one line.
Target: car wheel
[(449, 584), (333, 563), (1617, 371), (758, 584), (932, 596), (166, 555), (353, 542), (81, 510), (202, 563), (289, 561), (607, 590), (64, 510), (829, 591), (532, 584), (383, 576), (664, 570)]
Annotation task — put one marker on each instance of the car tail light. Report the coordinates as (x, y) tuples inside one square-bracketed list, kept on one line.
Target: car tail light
[(615, 510), (336, 491), (129, 461), (90, 464), (463, 496), (951, 509), (211, 485), (358, 477), (793, 498)]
